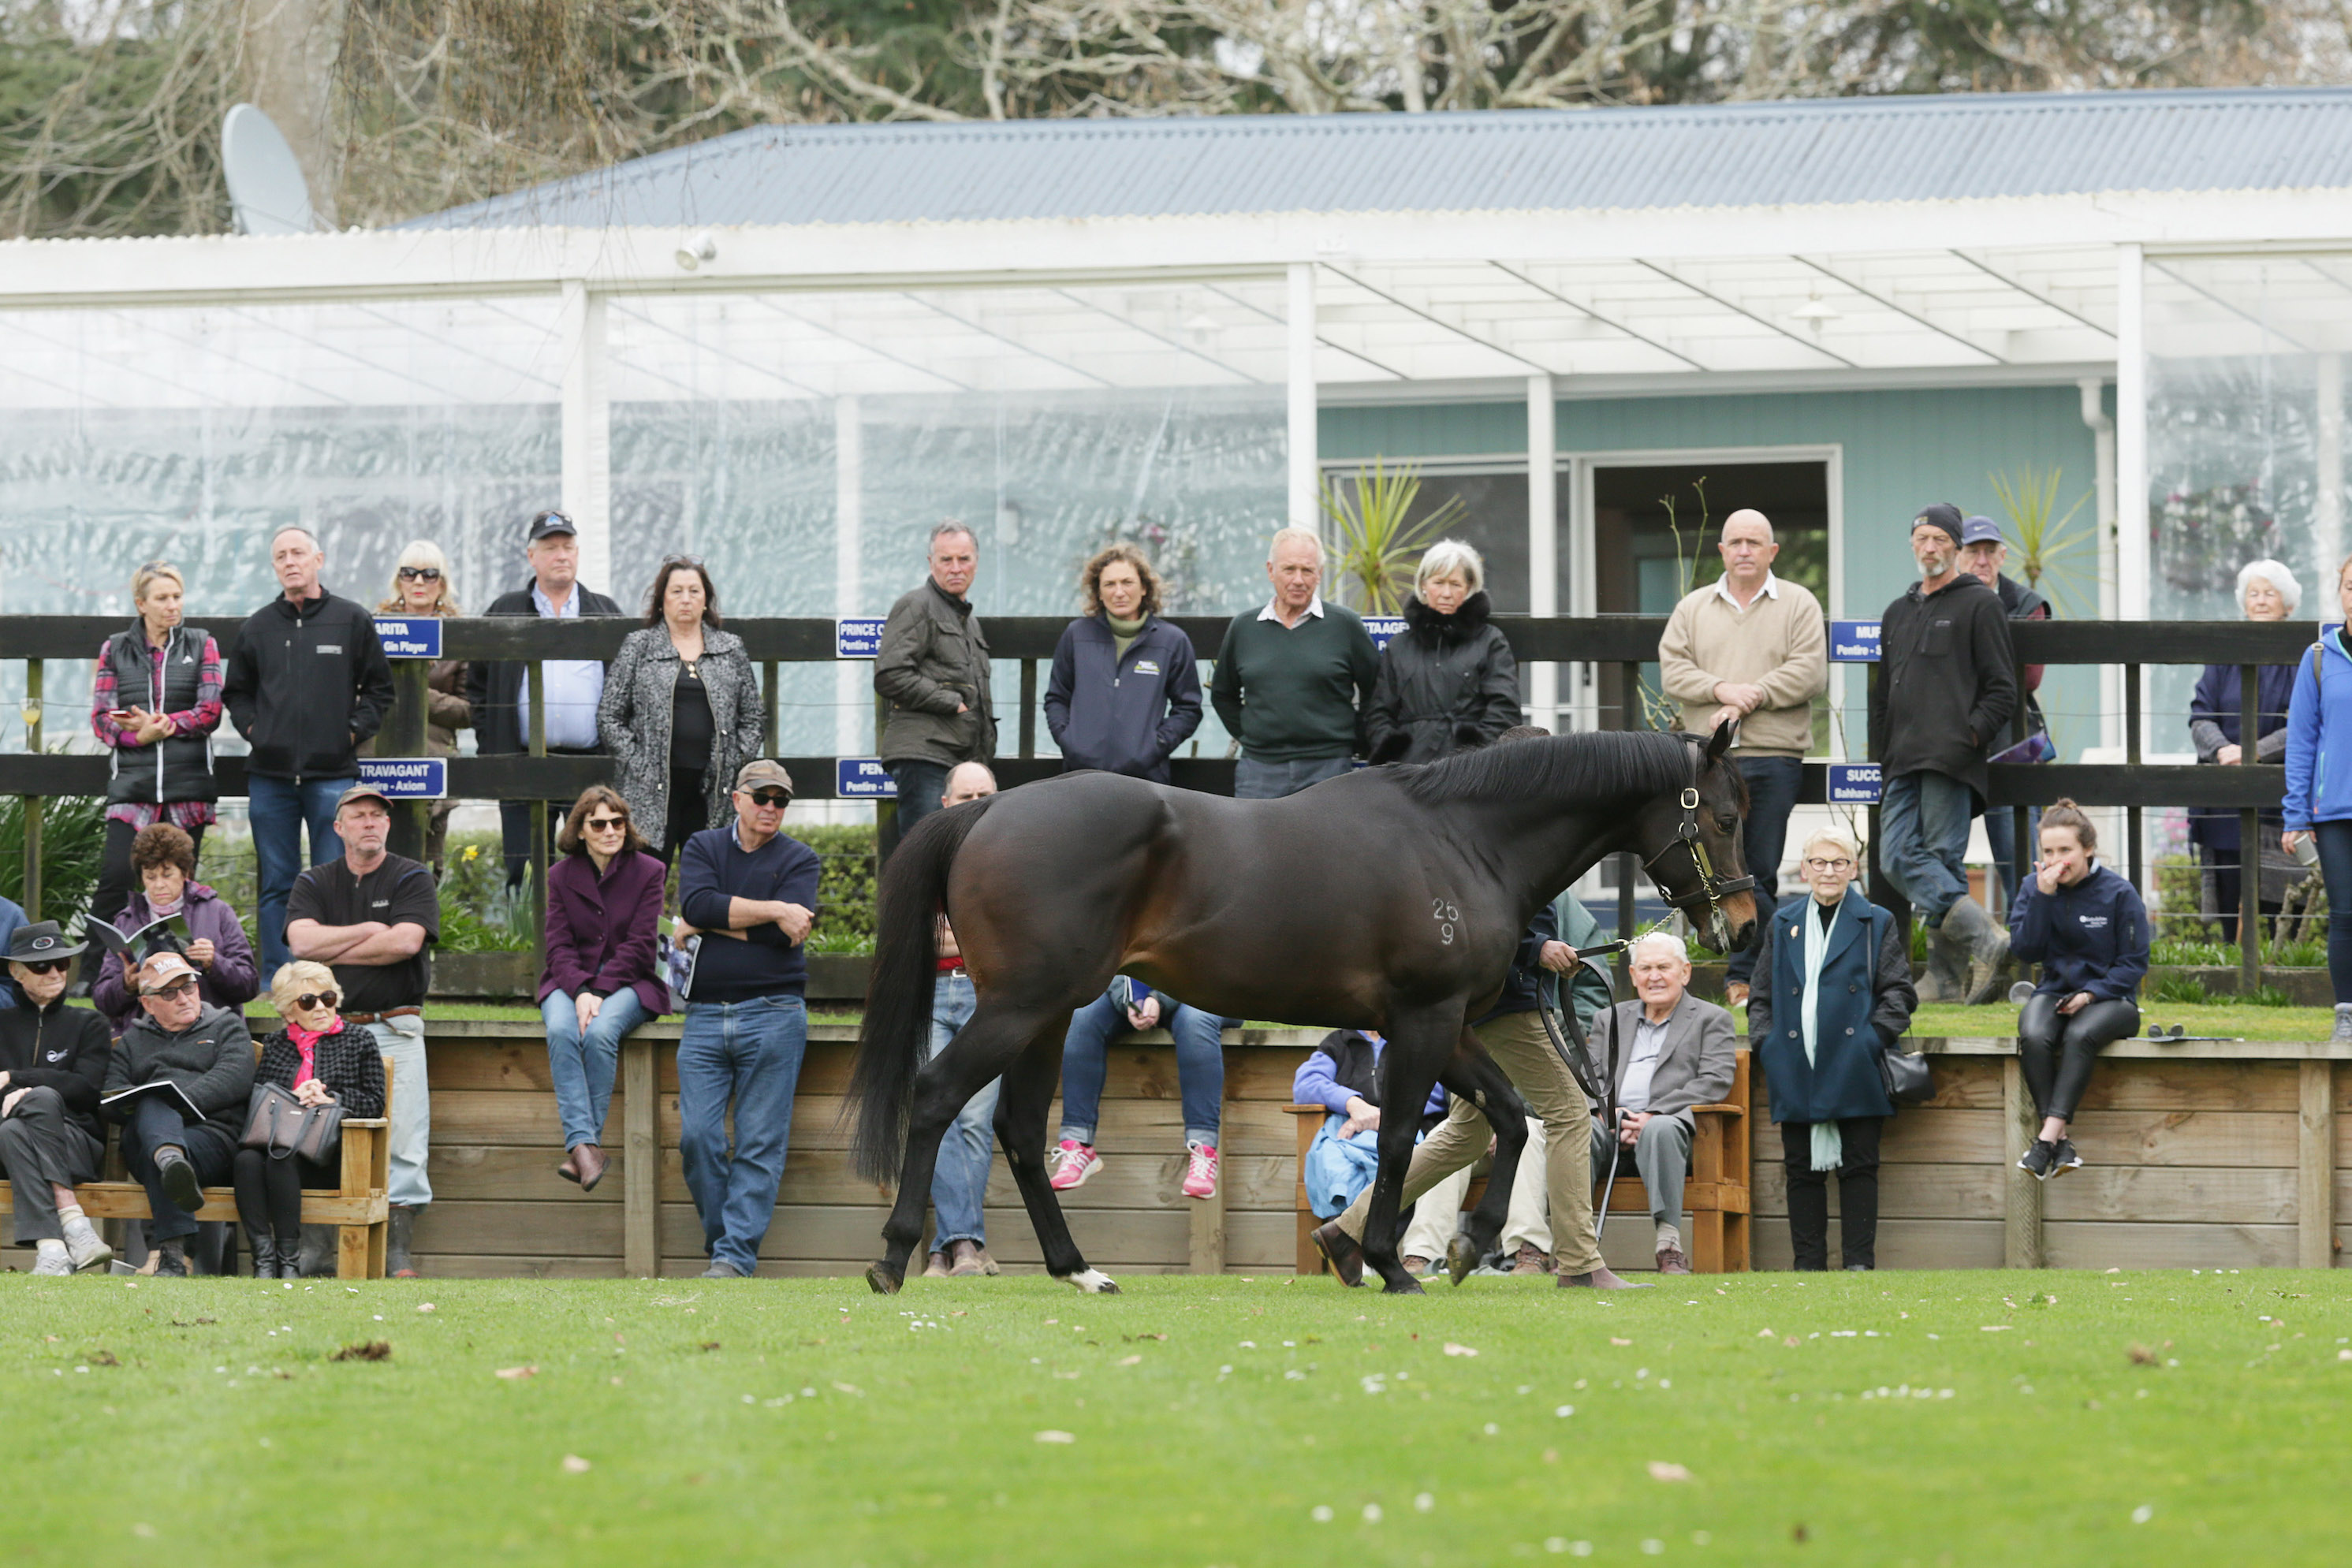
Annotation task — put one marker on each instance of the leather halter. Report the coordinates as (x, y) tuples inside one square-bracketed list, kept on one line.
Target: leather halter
[(1714, 890)]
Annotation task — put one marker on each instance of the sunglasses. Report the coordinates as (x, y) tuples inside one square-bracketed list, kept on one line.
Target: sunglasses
[(776, 798), (45, 966), (179, 987), (605, 824), (681, 561), (420, 574), (308, 999)]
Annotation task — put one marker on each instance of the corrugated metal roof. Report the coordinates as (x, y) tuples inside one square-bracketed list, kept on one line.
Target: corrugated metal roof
[(1739, 155)]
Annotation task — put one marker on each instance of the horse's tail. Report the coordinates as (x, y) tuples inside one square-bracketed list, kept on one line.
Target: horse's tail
[(894, 1037)]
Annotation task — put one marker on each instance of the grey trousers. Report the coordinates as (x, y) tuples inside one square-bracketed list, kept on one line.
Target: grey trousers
[(1661, 1158), (40, 1144)]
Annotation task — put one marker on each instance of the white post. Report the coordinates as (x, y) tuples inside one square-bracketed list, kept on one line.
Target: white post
[(2102, 465), (853, 692), (2328, 517), (587, 433), (2131, 437), (1305, 509), (1543, 542)]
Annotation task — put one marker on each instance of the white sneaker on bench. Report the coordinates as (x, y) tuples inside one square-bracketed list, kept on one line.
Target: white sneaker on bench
[(85, 1246)]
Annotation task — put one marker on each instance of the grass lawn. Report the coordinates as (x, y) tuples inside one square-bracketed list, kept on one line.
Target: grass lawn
[(2155, 1416), (2234, 1020)]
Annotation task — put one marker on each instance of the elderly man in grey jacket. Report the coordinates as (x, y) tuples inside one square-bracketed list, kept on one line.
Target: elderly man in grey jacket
[(932, 669), (1672, 1052)]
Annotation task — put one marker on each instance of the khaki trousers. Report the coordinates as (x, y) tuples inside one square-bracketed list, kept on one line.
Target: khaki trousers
[(1517, 1043)]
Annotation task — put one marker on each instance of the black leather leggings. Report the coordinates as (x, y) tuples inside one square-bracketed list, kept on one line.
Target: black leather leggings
[(2058, 1052)]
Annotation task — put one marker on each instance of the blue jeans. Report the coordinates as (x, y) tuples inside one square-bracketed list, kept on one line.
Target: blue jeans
[(748, 1053), (1256, 780), (278, 809), (920, 785), (1923, 843), (1772, 786), (1199, 1067), (960, 1181), (581, 1065)]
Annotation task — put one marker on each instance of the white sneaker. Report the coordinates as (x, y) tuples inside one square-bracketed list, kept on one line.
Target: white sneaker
[(52, 1259), (85, 1246)]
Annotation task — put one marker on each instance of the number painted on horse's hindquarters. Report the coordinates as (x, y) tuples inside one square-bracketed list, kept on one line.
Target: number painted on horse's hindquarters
[(1446, 915)]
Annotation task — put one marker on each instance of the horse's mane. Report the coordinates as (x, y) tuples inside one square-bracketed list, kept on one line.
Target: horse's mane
[(1602, 763)]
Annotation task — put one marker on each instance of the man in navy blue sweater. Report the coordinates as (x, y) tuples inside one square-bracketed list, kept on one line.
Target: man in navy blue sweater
[(750, 894)]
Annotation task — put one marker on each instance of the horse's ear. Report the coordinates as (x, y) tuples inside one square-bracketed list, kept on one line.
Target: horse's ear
[(1721, 742)]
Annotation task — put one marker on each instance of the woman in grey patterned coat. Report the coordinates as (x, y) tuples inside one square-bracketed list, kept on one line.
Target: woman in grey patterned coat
[(681, 710)]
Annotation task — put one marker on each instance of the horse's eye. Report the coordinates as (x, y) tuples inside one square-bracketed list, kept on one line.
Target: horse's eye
[(1728, 825)]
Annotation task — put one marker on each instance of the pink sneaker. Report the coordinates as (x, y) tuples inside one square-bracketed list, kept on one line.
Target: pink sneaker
[(1070, 1164), (1201, 1170)]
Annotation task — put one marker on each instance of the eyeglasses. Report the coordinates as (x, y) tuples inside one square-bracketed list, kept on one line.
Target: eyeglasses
[(1841, 864), (681, 561), (45, 966), (776, 798), (179, 987), (420, 574), (605, 824), (308, 999)]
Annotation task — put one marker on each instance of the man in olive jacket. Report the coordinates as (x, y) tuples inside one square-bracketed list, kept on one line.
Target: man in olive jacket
[(207, 1055), (1948, 683), (932, 669)]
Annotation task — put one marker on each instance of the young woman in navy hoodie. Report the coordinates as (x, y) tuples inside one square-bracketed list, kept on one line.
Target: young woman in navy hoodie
[(2088, 930)]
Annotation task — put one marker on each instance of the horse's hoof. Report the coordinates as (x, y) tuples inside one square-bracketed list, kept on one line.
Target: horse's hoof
[(1461, 1257), (883, 1279), (1407, 1286), (1093, 1282)]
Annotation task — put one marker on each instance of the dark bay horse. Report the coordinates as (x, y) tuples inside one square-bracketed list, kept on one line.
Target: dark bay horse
[(1392, 898)]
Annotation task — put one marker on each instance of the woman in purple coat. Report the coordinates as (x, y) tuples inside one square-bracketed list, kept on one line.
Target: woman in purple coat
[(164, 859), (603, 910)]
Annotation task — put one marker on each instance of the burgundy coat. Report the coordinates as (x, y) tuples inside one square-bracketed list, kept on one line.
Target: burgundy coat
[(233, 979), (601, 930)]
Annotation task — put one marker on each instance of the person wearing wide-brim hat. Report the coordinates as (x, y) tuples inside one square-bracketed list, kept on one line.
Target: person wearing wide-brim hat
[(52, 1065)]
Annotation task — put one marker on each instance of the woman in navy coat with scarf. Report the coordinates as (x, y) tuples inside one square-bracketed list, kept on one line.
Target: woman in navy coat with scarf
[(1832, 991), (2269, 591), (1126, 689)]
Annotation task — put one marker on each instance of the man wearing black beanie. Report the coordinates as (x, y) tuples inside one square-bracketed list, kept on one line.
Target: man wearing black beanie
[(1947, 685)]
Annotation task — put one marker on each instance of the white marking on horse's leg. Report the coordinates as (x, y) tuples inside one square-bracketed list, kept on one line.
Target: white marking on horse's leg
[(1093, 1283)]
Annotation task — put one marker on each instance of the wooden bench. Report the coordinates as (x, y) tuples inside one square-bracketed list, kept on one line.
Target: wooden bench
[(357, 1208), (1717, 1197)]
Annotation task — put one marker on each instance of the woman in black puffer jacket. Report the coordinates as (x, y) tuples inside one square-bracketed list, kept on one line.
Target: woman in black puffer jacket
[(1448, 682)]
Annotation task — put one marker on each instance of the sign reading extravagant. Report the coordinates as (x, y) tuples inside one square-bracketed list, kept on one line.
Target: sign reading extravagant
[(406, 777)]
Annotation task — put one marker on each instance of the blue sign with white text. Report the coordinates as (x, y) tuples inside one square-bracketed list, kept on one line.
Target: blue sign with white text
[(410, 636), (1853, 784), (863, 778), (858, 636), (406, 777), (1854, 641), (1385, 628)]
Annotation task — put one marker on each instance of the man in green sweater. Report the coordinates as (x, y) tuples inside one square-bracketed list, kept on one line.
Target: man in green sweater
[(1291, 677)]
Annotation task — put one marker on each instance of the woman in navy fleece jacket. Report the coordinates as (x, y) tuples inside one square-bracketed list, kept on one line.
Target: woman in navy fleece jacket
[(2088, 930)]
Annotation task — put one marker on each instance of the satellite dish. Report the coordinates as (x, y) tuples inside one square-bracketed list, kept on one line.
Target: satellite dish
[(266, 188)]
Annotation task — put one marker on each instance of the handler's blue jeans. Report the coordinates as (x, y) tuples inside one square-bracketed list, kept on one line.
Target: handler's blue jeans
[(960, 1181), (278, 809), (1923, 824), (1199, 1067), (582, 1063), (749, 1053)]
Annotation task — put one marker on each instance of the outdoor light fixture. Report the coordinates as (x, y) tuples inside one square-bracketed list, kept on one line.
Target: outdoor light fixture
[(1815, 311), (702, 247), (1008, 522)]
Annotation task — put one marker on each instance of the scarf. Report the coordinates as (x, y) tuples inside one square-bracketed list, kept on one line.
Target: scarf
[(1829, 1147), (1123, 633), (307, 1042)]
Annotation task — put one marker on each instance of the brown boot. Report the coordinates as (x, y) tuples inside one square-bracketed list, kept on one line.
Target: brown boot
[(1601, 1278), (1341, 1251), (965, 1260), (1671, 1262), (589, 1161), (937, 1269), (1528, 1261)]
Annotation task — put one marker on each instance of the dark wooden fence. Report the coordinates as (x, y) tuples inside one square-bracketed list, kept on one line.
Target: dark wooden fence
[(1624, 642)]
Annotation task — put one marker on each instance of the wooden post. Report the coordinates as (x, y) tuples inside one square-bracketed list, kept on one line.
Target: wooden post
[(885, 812), (1208, 1228), (2022, 1232), (535, 675), (2249, 844), (640, 1162), (770, 726), (1028, 708), (2314, 1182), (34, 670), (405, 733), (2131, 759)]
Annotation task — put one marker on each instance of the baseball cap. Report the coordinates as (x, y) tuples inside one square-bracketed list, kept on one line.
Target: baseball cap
[(1942, 515), (550, 522), (362, 792), (1980, 531), (763, 772), (160, 969)]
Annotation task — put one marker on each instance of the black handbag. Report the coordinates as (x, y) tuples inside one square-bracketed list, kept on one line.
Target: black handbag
[(282, 1126), (1906, 1076)]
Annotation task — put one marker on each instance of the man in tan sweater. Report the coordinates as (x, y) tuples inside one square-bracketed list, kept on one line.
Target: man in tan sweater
[(1751, 647)]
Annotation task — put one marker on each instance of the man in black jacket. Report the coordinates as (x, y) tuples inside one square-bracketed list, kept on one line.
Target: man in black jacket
[(178, 1141), (307, 684), (52, 1062), (1947, 685), (500, 694)]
